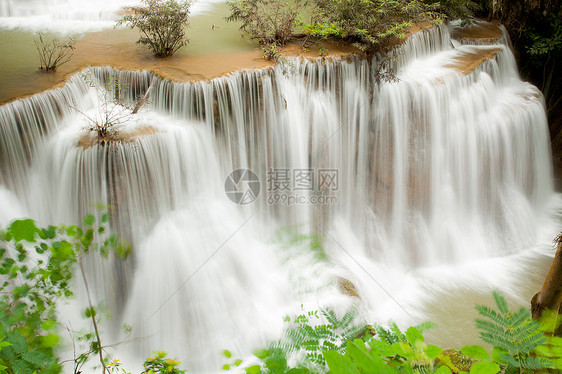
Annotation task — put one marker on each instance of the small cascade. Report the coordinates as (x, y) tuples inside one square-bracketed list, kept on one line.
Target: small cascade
[(25, 123), (445, 164)]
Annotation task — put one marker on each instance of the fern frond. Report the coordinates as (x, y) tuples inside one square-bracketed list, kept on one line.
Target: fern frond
[(37, 358), (311, 345), (490, 327), (323, 331), (422, 327), (519, 317), (348, 318), (524, 331), (500, 302), (20, 367), (536, 363), (499, 341), (485, 311), (398, 334), (330, 316), (351, 333), (19, 344), (328, 346), (529, 343), (511, 361), (384, 335)]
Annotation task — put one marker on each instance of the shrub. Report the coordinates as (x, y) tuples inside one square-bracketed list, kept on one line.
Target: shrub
[(270, 52), (53, 53), (370, 24), (162, 24), (267, 21), (455, 9), (339, 346), (37, 268), (514, 336)]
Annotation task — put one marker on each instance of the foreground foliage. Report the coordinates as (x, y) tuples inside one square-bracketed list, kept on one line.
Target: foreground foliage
[(162, 24), (319, 341), (37, 267)]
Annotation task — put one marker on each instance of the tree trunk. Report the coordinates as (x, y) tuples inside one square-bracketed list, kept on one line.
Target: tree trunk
[(550, 296)]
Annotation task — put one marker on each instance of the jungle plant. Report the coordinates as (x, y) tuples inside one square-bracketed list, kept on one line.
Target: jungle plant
[(267, 21), (162, 24), (456, 9), (160, 364), (39, 264), (53, 53), (389, 351), (270, 52), (514, 336), (369, 24)]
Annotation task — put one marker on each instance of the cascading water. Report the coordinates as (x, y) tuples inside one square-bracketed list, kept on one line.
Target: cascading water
[(446, 166)]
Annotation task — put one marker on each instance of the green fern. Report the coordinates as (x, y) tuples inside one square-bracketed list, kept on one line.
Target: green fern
[(37, 358), (500, 302), (514, 334), (304, 335), (391, 335)]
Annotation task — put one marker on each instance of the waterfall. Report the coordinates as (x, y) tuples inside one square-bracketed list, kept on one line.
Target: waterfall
[(445, 164)]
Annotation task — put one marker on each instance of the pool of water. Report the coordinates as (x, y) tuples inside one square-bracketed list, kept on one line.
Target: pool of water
[(209, 34)]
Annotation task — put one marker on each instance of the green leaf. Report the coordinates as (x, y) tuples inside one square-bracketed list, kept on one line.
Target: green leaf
[(89, 312), (50, 232), (23, 230), (443, 370), (476, 352), (484, 367), (254, 369), (367, 364), (49, 340), (227, 353), (381, 348), (89, 219), (413, 335), (497, 355), (48, 324), (104, 218), (432, 351), (262, 354), (339, 364)]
